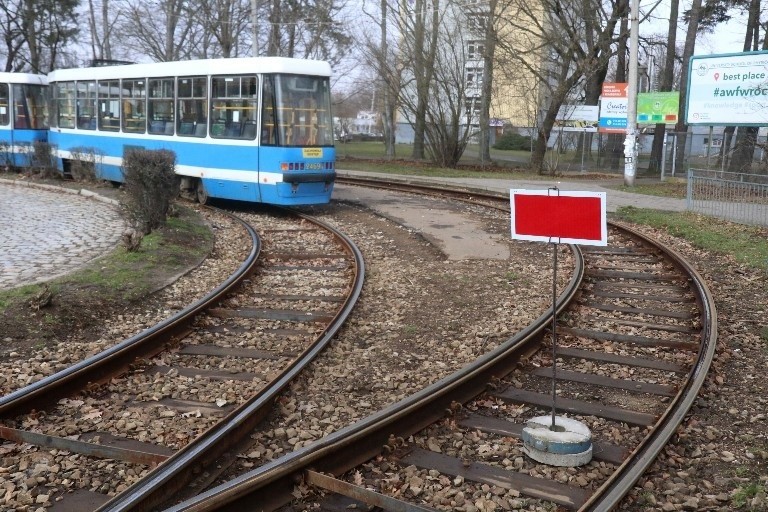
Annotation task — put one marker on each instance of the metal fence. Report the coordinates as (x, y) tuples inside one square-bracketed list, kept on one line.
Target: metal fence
[(701, 148), (736, 197)]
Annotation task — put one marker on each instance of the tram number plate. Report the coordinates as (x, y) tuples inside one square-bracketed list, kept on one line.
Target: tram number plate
[(314, 166)]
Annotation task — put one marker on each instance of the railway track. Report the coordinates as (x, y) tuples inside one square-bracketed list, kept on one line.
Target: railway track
[(456, 443), (637, 334), (164, 407)]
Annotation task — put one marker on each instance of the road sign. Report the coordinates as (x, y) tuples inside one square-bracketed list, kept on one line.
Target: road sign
[(556, 216)]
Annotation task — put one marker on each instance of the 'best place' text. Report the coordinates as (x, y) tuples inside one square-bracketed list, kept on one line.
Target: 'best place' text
[(744, 76)]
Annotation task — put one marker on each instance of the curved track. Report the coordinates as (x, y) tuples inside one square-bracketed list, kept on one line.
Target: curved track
[(220, 362), (636, 338)]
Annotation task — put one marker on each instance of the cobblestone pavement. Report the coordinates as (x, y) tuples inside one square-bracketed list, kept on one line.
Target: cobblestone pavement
[(46, 232)]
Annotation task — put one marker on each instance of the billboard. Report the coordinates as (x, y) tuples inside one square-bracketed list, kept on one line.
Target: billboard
[(728, 89), (577, 118), (658, 107), (614, 105)]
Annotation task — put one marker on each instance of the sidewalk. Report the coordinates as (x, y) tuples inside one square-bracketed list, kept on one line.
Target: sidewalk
[(614, 198)]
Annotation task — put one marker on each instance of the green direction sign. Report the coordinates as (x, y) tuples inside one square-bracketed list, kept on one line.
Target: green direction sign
[(658, 107)]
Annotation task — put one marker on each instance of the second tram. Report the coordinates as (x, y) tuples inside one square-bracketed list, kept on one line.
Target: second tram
[(249, 129), (23, 117)]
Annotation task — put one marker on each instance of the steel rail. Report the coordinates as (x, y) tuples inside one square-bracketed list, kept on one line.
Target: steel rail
[(144, 344), (608, 496), (270, 485), (624, 478), (457, 191), (169, 477)]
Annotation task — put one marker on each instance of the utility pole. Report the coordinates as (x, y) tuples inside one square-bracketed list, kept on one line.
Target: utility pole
[(630, 151), (255, 23)]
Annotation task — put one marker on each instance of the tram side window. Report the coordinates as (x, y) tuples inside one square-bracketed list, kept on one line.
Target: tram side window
[(109, 105), (192, 106), (268, 118), (65, 104), (161, 106), (86, 105), (4, 106), (235, 107), (134, 106), (31, 106)]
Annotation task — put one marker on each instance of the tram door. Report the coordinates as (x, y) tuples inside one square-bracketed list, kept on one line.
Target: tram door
[(6, 133)]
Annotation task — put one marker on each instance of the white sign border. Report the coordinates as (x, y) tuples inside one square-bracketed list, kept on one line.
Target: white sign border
[(569, 193)]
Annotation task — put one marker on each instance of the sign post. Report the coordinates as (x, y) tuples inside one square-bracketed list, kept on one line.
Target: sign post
[(555, 217)]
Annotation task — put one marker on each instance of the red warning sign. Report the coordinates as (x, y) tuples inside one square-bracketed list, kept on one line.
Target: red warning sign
[(559, 217)]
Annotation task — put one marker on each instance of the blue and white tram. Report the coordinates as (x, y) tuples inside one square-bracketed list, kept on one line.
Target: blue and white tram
[(23, 117), (249, 129)]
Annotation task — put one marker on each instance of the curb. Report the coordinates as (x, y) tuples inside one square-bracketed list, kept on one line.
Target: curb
[(54, 188)]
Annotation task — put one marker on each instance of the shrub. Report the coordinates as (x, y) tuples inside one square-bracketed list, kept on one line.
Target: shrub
[(513, 141), (43, 159), (151, 184), (82, 165), (6, 157)]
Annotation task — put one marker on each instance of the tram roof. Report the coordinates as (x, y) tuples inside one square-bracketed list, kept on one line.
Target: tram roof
[(23, 78), (238, 66)]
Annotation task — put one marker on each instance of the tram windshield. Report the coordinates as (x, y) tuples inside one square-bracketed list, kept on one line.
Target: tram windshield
[(296, 111), (30, 107)]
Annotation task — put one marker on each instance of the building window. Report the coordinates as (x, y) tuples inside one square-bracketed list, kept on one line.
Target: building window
[(477, 23), (472, 110), (474, 77), (475, 50)]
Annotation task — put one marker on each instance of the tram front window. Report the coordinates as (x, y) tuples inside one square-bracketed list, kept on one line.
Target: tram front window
[(303, 110)]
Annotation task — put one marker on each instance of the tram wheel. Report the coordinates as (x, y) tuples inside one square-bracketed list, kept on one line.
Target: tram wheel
[(201, 193)]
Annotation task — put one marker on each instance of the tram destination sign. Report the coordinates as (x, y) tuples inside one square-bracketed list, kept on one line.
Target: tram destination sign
[(556, 216)]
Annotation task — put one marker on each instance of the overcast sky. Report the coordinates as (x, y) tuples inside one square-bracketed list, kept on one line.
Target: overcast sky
[(727, 38)]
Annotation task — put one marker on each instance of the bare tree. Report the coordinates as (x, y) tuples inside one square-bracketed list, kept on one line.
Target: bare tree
[(164, 36), (225, 22), (435, 86), (666, 83), (389, 74), (101, 24), (746, 137), (560, 44), (13, 36), (419, 33), (35, 32), (690, 43), (381, 55), (448, 127), (489, 50), (307, 29)]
